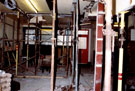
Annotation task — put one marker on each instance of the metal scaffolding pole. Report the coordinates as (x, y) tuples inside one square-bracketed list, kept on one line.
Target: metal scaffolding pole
[(77, 28), (17, 43), (108, 16), (53, 44), (121, 52), (73, 49)]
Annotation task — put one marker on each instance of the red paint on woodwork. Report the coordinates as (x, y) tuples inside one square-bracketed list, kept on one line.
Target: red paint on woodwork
[(100, 33), (99, 45), (99, 59)]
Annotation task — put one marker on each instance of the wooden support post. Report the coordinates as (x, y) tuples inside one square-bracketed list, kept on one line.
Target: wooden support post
[(17, 43), (108, 52), (40, 37), (13, 36), (39, 42), (71, 50), (67, 50), (27, 63), (99, 48), (36, 36), (53, 45), (3, 42), (130, 1), (63, 49)]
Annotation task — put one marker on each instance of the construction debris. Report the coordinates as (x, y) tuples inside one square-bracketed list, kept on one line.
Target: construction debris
[(72, 88), (5, 81)]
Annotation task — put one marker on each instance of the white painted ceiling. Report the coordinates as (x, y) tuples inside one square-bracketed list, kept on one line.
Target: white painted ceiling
[(40, 5), (64, 6), (3, 8)]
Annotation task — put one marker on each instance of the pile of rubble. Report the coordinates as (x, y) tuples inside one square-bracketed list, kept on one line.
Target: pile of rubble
[(71, 88), (5, 81)]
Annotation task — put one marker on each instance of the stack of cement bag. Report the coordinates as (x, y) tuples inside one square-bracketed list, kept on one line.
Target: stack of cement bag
[(5, 81)]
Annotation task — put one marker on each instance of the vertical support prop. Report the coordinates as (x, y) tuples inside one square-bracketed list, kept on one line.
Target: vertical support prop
[(67, 51), (53, 45), (108, 16), (120, 69), (63, 48), (77, 28), (36, 35), (17, 44), (13, 36), (99, 47), (73, 49), (16, 60), (121, 50), (3, 42), (40, 37), (71, 52), (27, 63)]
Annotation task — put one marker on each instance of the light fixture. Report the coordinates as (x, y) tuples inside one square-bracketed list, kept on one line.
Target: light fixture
[(32, 5)]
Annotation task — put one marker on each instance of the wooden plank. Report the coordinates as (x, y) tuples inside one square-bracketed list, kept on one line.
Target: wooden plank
[(99, 49)]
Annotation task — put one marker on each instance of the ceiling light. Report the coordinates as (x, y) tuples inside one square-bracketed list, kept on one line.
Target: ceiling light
[(31, 5)]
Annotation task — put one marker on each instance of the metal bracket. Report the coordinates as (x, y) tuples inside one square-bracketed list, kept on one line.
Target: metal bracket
[(53, 41), (75, 41), (122, 39), (111, 33)]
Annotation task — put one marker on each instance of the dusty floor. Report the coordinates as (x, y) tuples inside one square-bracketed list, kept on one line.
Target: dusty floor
[(43, 84)]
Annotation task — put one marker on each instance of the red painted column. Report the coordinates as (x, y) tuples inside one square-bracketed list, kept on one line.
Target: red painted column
[(99, 48)]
